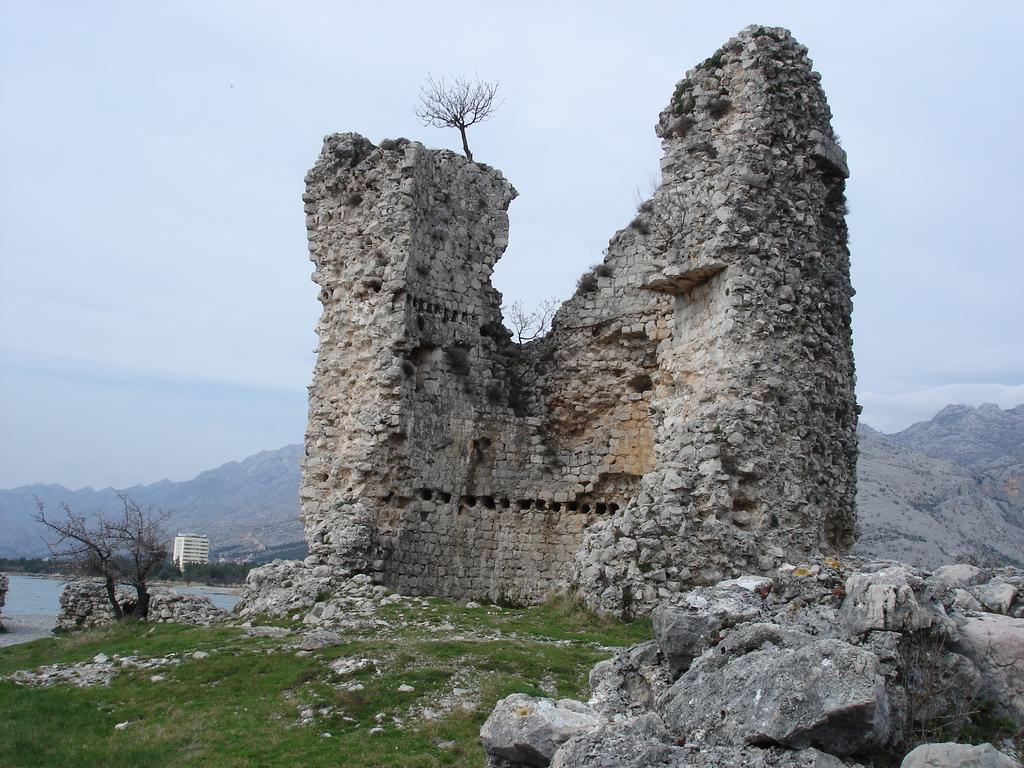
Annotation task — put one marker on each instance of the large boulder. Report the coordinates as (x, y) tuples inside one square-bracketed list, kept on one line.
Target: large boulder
[(953, 755), (885, 600), (643, 742), (630, 681), (995, 644), (959, 575), (526, 731), (826, 694), (689, 624)]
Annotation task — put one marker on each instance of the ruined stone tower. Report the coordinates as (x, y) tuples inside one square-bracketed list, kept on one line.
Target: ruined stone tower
[(691, 414)]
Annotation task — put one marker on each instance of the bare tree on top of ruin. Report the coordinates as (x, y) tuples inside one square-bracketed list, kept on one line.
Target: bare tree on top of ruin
[(457, 103), (529, 324), (123, 548)]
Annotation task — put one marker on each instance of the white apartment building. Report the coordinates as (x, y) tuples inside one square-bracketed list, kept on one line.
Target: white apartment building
[(191, 548)]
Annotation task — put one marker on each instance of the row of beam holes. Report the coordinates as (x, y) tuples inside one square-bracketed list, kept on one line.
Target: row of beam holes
[(489, 502), (447, 315)]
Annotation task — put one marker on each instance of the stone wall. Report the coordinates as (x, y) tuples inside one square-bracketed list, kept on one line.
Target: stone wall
[(84, 604), (689, 416)]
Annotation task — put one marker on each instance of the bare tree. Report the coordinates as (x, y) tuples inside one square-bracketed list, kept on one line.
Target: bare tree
[(121, 549), (529, 324), (458, 103)]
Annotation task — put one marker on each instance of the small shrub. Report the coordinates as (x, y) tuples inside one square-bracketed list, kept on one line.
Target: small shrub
[(388, 144), (587, 283), (602, 270), (408, 368), (458, 360), (641, 226), (682, 125), (715, 60), (353, 200), (706, 148), (719, 107), (646, 206)]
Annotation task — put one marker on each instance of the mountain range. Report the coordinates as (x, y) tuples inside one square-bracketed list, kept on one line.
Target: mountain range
[(942, 489), (246, 505)]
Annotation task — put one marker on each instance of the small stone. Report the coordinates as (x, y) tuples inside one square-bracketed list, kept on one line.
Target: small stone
[(121, 726), (403, 688)]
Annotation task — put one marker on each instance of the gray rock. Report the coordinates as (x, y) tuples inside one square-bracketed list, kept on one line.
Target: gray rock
[(996, 595), (643, 742), (826, 694), (689, 624), (884, 600), (959, 575), (995, 644), (630, 681), (953, 755), (317, 639), (524, 730)]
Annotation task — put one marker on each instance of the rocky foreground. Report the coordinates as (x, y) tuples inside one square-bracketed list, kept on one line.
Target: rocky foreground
[(823, 665)]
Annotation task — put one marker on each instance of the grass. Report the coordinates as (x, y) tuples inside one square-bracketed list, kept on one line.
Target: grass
[(240, 706)]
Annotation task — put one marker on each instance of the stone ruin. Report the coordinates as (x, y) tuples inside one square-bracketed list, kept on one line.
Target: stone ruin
[(689, 417)]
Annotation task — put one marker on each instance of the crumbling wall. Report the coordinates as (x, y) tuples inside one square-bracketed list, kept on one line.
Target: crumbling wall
[(689, 416)]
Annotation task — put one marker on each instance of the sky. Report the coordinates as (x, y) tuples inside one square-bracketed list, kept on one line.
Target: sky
[(156, 310)]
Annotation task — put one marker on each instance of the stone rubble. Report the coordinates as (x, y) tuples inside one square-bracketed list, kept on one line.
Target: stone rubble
[(100, 671), (825, 663), (84, 604), (689, 418)]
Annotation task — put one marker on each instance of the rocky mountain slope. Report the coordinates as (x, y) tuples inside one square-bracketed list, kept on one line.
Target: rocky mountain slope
[(248, 503), (983, 437), (939, 490), (945, 488)]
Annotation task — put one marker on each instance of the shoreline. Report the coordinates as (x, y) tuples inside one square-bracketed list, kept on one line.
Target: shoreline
[(220, 589)]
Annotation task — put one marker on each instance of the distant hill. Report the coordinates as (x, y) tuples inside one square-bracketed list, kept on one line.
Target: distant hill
[(915, 504), (980, 437), (941, 489), (252, 503)]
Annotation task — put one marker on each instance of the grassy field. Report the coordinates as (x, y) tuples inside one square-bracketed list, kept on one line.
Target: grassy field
[(240, 705)]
